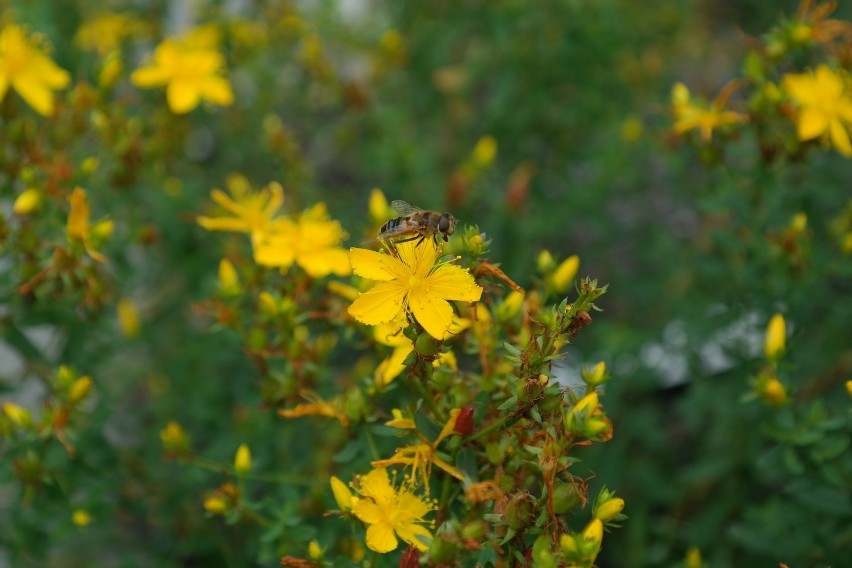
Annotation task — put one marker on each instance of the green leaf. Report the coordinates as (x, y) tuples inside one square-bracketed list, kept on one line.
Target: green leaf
[(829, 448)]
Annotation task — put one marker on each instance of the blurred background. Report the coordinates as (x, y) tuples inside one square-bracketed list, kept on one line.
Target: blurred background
[(548, 125)]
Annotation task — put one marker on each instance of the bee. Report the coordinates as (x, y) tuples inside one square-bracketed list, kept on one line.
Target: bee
[(416, 223)]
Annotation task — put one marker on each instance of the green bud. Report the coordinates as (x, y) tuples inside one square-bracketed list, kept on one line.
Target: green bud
[(426, 345), (565, 497), (541, 554), (519, 511), (442, 551)]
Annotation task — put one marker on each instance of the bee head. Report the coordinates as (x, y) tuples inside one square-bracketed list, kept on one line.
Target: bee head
[(446, 225)]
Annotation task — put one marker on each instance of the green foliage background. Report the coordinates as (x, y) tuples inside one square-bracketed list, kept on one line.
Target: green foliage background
[(685, 248)]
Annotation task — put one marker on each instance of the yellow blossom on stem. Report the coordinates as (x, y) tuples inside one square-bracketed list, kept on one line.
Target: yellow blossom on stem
[(776, 332), (825, 106), (27, 202), (411, 282), (24, 68), (315, 406), (689, 115), (312, 241), (251, 211), (421, 456), (192, 70), (391, 512)]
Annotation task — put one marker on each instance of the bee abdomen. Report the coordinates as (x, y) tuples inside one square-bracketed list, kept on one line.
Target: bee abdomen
[(392, 225)]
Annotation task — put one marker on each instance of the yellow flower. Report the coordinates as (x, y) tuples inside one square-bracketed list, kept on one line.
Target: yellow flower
[(312, 241), (379, 209), (420, 457), (391, 512), (314, 406), (564, 273), (229, 281), (825, 106), (776, 332), (77, 227), (691, 116), (192, 70), (27, 202), (28, 71), (411, 282), (252, 211), (104, 33)]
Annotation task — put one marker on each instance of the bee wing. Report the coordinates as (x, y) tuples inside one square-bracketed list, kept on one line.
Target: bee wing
[(404, 208)]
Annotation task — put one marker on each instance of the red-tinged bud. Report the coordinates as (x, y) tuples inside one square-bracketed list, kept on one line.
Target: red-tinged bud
[(464, 421), (410, 558)]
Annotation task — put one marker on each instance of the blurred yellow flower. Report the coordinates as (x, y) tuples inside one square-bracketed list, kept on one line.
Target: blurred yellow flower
[(78, 228), (421, 456), (252, 211), (564, 273), (27, 70), (191, 69), (27, 202), (342, 496), (312, 241), (692, 116), (825, 106), (411, 282), (104, 32), (390, 512), (229, 281), (242, 460), (380, 210)]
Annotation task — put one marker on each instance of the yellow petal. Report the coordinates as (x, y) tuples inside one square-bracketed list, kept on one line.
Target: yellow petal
[(449, 426), (415, 535), (217, 90), (39, 97), (377, 486), (325, 261), (182, 96), (380, 538), (432, 312), (380, 304), (840, 137), (447, 467), (451, 282), (812, 123), (148, 77), (374, 265), (390, 368)]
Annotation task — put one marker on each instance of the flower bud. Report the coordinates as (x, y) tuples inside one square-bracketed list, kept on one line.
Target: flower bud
[(542, 557), (442, 551), (568, 545), (341, 493), (314, 550), (510, 307), (565, 273), (174, 439), (20, 417), (464, 421), (566, 496), (410, 558), (772, 391), (242, 460), (128, 318), (27, 202), (545, 262), (849, 388), (775, 337), (215, 505), (485, 151), (596, 375), (379, 209), (80, 390), (229, 282), (693, 558), (609, 509), (592, 537), (473, 531), (519, 511)]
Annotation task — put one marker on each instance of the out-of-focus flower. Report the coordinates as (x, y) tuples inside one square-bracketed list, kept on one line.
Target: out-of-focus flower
[(229, 282), (251, 211), (191, 69), (825, 106), (312, 241), (315, 406), (411, 282), (564, 273), (391, 512), (485, 151), (104, 32), (812, 22), (78, 228), (27, 70), (420, 457), (380, 210), (174, 439), (689, 115), (19, 416)]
